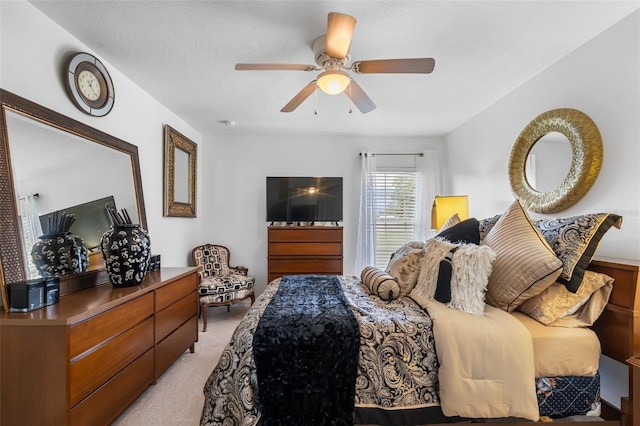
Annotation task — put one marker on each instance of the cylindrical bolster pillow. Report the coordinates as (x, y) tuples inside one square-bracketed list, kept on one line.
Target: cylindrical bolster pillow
[(380, 283)]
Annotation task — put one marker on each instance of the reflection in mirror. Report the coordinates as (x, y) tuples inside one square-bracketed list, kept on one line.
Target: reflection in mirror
[(548, 162), (50, 162), (181, 176), (65, 171)]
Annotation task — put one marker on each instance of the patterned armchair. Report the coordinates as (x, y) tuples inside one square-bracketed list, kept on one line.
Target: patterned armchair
[(219, 283)]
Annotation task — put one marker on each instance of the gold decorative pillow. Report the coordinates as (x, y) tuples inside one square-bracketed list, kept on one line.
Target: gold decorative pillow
[(525, 264), (404, 266), (380, 283), (557, 302)]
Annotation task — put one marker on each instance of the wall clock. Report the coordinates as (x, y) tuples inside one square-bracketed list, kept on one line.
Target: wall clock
[(89, 84)]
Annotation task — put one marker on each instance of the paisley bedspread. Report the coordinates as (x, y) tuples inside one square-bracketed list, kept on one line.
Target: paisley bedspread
[(397, 363)]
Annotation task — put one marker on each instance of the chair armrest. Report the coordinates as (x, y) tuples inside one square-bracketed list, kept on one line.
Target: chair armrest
[(240, 270)]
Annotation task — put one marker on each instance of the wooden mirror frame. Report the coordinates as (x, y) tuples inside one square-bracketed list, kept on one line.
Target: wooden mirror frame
[(11, 254), (174, 140), (586, 148)]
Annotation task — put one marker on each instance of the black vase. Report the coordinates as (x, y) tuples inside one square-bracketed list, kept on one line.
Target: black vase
[(126, 250), (59, 254)]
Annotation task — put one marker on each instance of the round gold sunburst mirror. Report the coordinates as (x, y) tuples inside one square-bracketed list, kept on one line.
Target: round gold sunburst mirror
[(586, 158)]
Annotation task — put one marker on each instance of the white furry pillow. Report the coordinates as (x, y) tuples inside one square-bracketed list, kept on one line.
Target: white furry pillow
[(380, 283), (471, 267)]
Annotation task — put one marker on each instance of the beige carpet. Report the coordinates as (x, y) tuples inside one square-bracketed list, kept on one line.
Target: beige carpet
[(177, 398)]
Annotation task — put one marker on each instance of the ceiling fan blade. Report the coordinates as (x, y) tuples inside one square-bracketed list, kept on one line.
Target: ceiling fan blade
[(359, 98), (405, 66), (276, 67), (339, 32), (300, 97)]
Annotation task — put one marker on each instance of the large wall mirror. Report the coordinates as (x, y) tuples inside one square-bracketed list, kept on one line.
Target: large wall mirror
[(54, 163), (555, 160)]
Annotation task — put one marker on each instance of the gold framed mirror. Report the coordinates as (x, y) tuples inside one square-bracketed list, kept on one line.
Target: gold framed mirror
[(180, 159), (586, 159), (70, 163)]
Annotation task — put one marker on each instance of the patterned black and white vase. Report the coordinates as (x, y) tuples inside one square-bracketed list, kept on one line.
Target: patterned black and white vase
[(59, 254), (126, 250)]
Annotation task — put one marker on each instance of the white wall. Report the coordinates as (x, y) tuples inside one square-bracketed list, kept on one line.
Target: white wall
[(602, 79), (33, 51), (234, 176), (231, 170)]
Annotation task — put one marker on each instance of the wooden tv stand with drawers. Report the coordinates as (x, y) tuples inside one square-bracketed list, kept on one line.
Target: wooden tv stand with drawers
[(84, 360), (296, 250)]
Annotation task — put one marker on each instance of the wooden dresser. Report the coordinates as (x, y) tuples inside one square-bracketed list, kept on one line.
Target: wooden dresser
[(304, 250), (84, 360)]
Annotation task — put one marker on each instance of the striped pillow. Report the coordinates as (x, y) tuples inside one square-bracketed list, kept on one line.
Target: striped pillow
[(453, 220), (380, 283), (525, 264)]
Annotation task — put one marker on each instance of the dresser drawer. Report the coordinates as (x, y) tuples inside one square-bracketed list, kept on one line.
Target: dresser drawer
[(306, 249), (304, 234), (175, 344), (175, 315), (306, 266), (168, 294), (89, 333), (89, 371), (109, 401)]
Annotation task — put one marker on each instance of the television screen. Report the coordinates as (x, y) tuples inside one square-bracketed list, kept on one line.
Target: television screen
[(92, 220), (304, 199)]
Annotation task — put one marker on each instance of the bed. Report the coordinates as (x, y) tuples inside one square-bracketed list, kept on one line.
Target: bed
[(399, 376)]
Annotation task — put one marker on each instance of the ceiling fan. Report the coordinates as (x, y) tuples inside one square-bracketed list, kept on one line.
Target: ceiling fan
[(333, 55)]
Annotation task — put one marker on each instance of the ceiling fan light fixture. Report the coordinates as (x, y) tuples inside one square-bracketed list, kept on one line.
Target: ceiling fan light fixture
[(333, 82)]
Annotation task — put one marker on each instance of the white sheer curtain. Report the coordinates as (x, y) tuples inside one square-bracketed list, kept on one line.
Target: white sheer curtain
[(366, 243), (31, 229), (428, 185)]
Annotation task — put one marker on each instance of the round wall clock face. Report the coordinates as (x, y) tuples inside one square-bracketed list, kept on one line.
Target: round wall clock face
[(89, 84)]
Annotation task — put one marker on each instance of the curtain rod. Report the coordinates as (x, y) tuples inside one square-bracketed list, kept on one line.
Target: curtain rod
[(36, 195), (419, 154)]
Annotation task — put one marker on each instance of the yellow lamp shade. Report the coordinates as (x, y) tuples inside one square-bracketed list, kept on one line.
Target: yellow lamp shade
[(333, 82), (446, 206)]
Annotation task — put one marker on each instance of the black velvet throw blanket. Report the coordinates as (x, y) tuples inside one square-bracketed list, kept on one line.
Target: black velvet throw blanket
[(306, 353)]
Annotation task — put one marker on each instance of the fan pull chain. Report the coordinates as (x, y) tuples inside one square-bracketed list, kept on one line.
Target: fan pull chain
[(316, 108), (350, 100)]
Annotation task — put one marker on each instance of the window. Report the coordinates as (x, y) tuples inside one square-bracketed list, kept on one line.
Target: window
[(28, 234), (396, 193), (394, 207)]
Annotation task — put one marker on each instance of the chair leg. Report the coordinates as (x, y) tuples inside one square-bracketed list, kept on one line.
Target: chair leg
[(205, 315), (228, 308)]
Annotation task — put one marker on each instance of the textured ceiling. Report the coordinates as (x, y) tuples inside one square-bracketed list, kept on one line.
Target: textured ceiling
[(183, 53)]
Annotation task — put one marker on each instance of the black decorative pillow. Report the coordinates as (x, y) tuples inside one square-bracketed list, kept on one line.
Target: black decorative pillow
[(379, 283), (575, 240), (466, 232)]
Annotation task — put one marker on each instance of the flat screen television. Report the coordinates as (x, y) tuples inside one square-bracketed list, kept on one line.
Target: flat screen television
[(92, 220), (304, 199)]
